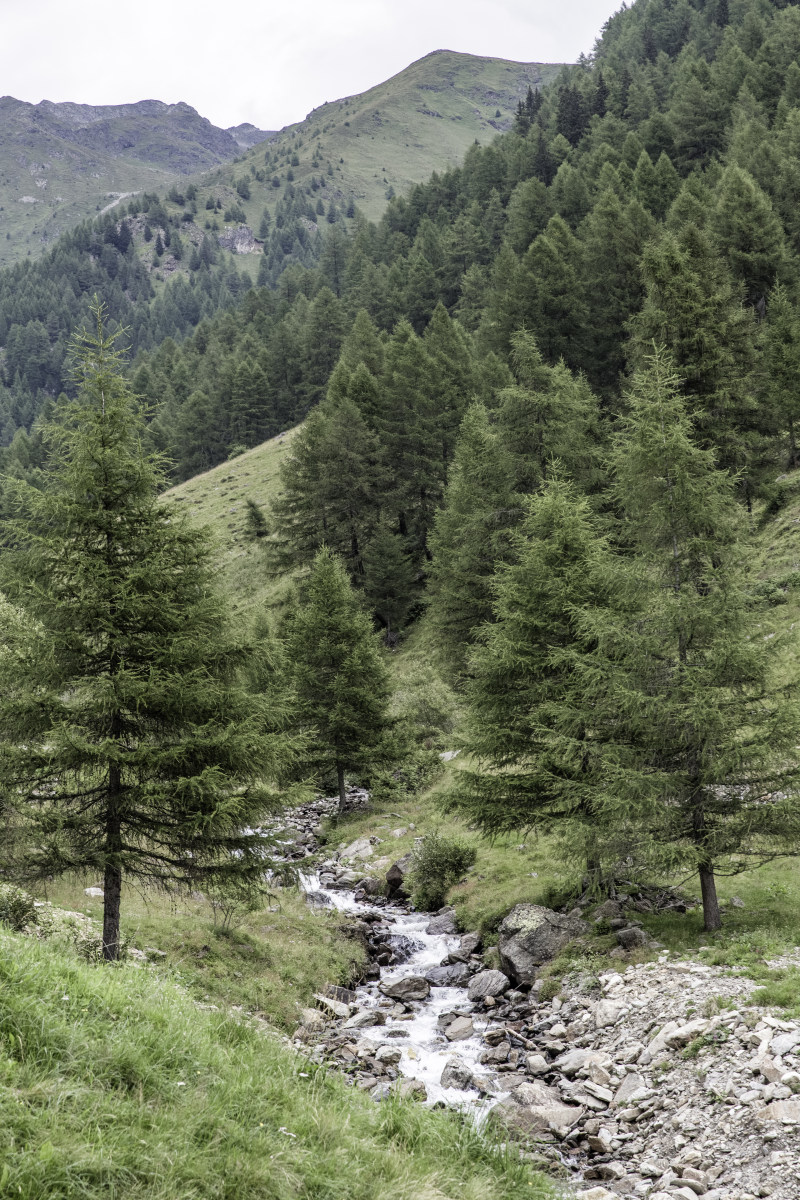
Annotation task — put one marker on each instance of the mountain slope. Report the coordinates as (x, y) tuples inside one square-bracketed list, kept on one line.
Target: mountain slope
[(423, 119), (62, 163)]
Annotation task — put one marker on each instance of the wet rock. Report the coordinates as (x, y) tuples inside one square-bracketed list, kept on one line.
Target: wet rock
[(388, 1055), (470, 943), (410, 987), (531, 935), (459, 1029), (456, 1074), (496, 1054), (487, 983), (442, 923), (457, 975), (396, 875)]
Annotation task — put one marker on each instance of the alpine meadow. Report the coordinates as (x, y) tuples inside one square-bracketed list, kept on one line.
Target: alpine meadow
[(400, 633)]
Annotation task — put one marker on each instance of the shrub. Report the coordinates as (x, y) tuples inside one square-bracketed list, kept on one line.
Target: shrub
[(438, 863), (17, 908)]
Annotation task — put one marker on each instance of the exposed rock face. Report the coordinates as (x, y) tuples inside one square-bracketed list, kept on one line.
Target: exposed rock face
[(531, 935), (239, 241)]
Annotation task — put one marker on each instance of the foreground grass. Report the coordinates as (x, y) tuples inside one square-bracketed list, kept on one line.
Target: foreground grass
[(115, 1084)]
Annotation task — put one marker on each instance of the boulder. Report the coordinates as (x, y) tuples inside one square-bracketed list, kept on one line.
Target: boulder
[(632, 937), (534, 1093), (365, 1019), (459, 1029), (410, 987), (531, 935), (457, 975), (488, 983), (786, 1111), (630, 1084), (456, 1074), (444, 922), (360, 848), (396, 875), (608, 1012), (531, 1121), (334, 1007), (573, 1061), (388, 1055), (470, 943), (410, 1089)]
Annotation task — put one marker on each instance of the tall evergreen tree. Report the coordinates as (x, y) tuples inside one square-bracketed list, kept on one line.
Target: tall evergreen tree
[(340, 680), (129, 748), (698, 747)]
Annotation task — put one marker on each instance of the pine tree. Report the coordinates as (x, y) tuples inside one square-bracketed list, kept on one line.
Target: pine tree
[(340, 681), (129, 747), (782, 359), (390, 578), (699, 752)]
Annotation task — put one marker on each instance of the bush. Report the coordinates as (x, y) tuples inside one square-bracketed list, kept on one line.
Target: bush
[(17, 908), (438, 863)]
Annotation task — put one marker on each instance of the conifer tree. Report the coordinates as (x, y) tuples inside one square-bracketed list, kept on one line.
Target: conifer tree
[(470, 536), (699, 749), (340, 681), (389, 578), (129, 747), (527, 722)]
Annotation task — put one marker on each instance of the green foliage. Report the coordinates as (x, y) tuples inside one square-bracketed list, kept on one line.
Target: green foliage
[(438, 863), (17, 907)]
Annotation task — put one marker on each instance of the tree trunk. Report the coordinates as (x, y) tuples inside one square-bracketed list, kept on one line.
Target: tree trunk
[(340, 777), (712, 918), (112, 877)]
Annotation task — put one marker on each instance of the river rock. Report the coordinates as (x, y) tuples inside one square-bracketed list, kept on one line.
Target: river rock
[(336, 1008), (537, 1064), (457, 975), (410, 987), (531, 1121), (366, 1018), (531, 935), (388, 1055), (413, 1089), (535, 1093), (470, 943), (456, 1074), (459, 1029), (442, 923), (487, 983)]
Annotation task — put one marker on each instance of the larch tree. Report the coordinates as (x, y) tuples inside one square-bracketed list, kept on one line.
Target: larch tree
[(699, 743), (340, 682), (130, 747)]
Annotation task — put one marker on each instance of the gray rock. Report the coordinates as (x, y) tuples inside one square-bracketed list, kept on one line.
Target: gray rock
[(608, 909), (365, 1019), (457, 975), (488, 983), (470, 942), (396, 874), (537, 1064), (413, 1089), (388, 1055), (632, 937), (608, 1012), (410, 987), (534, 1120), (573, 1061), (786, 1111), (442, 923), (531, 935), (630, 1084), (784, 1043), (335, 1007), (534, 1092), (459, 1029), (456, 1074)]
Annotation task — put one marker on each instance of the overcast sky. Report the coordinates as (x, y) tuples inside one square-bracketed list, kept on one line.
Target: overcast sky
[(264, 62)]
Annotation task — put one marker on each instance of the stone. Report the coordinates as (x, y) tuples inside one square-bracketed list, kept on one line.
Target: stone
[(608, 1012), (360, 848), (787, 1111), (410, 987), (336, 1008), (488, 983), (456, 1074), (496, 1054), (470, 942), (609, 1170), (532, 1121), (575, 1060), (537, 1064), (685, 1033), (630, 1084), (531, 935), (535, 1093), (609, 909), (456, 975), (388, 1055), (459, 1029), (397, 873), (93, 891), (597, 1193), (410, 1089), (632, 937), (366, 1018), (442, 923), (785, 1043)]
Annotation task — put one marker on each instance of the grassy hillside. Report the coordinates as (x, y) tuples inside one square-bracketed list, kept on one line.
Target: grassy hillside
[(423, 119), (218, 499), (115, 1083), (63, 163)]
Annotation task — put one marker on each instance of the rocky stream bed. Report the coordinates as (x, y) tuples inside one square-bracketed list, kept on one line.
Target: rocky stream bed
[(659, 1079)]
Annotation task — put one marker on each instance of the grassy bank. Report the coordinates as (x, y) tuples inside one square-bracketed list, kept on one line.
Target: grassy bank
[(114, 1083)]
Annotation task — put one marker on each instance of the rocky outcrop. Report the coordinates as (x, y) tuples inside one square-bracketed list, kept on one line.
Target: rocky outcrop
[(239, 240), (530, 936)]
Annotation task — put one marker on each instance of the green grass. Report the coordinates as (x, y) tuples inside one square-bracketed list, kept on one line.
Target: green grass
[(217, 499), (114, 1083)]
